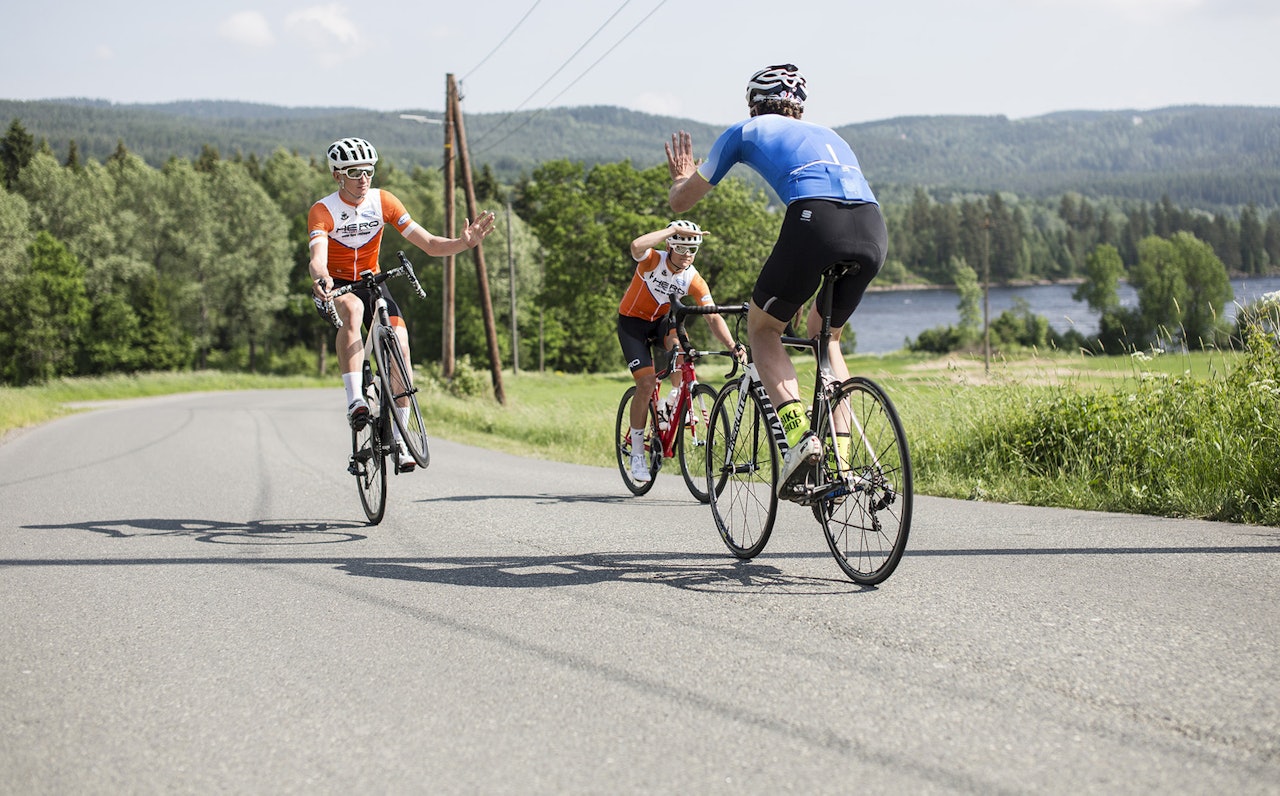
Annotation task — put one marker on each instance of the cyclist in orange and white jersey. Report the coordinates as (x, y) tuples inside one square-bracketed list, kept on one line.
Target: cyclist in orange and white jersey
[(345, 232), (660, 278)]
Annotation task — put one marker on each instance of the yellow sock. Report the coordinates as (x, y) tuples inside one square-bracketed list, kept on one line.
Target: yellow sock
[(844, 443), (794, 421)]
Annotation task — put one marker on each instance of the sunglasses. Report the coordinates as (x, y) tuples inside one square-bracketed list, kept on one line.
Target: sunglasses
[(356, 172), (678, 249)]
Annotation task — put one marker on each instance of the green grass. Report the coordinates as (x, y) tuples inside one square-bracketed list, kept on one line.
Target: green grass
[(1190, 435)]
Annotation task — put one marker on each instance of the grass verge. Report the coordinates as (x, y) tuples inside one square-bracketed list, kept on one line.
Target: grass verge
[(1190, 435)]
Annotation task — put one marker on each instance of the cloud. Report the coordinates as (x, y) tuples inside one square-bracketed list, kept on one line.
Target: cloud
[(248, 28), (103, 53), (328, 30)]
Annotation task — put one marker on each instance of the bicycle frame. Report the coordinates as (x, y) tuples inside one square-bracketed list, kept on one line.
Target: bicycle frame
[(684, 399), (825, 388)]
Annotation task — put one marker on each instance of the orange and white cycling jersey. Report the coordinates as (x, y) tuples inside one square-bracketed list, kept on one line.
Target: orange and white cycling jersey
[(355, 232), (653, 285)]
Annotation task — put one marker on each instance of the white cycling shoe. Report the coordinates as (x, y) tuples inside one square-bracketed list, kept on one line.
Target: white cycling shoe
[(799, 465), (640, 470)]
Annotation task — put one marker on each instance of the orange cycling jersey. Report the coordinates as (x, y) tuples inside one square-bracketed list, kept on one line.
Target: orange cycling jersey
[(355, 232), (654, 284)]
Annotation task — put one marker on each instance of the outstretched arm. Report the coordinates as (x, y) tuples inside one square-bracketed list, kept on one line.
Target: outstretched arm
[(687, 185), (436, 246)]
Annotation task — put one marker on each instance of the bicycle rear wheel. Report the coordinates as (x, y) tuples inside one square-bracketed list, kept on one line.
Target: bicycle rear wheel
[(867, 515), (693, 442), (622, 444), (742, 469), (397, 383), (369, 466)]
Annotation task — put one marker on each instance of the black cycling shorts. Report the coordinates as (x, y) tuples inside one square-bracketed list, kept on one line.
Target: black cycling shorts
[(817, 233), (638, 335), (366, 297)]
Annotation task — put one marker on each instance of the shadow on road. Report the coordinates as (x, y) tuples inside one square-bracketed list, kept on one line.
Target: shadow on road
[(265, 532), (710, 573)]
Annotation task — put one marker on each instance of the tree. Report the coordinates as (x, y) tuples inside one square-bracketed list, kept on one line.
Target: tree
[(16, 150), (1103, 271), (586, 220), (970, 306), (1182, 289), (44, 310), (1253, 252)]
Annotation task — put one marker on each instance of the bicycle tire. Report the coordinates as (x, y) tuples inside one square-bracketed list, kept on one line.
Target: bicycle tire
[(622, 444), (742, 472), (397, 384), (868, 521), (693, 442), (369, 465)]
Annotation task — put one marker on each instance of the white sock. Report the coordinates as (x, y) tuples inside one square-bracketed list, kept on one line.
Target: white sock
[(351, 383), (637, 442)]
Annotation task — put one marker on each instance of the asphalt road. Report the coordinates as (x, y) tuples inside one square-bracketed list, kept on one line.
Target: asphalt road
[(192, 603)]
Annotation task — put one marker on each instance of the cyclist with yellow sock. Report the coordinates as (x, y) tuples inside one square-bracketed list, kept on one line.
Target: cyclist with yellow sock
[(832, 216)]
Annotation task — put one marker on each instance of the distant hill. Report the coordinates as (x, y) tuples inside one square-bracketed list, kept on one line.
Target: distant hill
[(1209, 157)]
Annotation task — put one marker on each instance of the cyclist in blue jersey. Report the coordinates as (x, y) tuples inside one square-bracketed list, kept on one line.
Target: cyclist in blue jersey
[(832, 216)]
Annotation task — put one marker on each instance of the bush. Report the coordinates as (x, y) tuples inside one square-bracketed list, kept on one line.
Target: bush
[(1157, 444)]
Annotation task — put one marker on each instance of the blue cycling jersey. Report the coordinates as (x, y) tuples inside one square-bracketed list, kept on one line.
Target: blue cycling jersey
[(798, 159)]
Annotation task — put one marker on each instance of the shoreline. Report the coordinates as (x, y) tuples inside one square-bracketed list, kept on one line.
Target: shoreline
[(1079, 280)]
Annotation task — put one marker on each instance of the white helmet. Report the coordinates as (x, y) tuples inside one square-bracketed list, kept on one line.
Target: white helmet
[(348, 152), (781, 81), (687, 233)]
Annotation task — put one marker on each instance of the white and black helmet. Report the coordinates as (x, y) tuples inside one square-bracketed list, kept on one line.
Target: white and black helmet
[(348, 152), (687, 233), (781, 82)]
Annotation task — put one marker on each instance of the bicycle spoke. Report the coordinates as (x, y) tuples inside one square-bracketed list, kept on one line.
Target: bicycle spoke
[(866, 514), (741, 456), (407, 415), (693, 442)]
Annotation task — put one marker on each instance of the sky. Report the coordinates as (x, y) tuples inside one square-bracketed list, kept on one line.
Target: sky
[(685, 58)]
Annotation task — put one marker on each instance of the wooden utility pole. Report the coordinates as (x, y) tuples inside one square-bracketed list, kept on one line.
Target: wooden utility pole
[(447, 336), (986, 296), (482, 276), (511, 277)]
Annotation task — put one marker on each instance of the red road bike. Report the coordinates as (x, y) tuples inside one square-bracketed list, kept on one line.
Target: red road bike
[(682, 432)]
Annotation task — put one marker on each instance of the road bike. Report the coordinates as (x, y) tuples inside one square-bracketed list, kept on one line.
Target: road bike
[(861, 492), (680, 429), (387, 385)]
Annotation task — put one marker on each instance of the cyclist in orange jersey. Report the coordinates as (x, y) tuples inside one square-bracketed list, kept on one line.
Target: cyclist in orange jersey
[(660, 278), (345, 232)]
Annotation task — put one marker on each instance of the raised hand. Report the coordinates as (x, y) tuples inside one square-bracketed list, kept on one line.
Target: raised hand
[(680, 162), (479, 229)]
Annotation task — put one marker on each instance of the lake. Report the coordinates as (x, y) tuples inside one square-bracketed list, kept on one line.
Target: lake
[(886, 319)]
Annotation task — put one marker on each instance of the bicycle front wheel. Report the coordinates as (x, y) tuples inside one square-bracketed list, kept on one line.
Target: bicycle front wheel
[(693, 442), (866, 478), (622, 444), (369, 466), (402, 396), (742, 469)]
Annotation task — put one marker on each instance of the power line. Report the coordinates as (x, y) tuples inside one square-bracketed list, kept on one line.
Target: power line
[(593, 65), (504, 40), (559, 69)]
